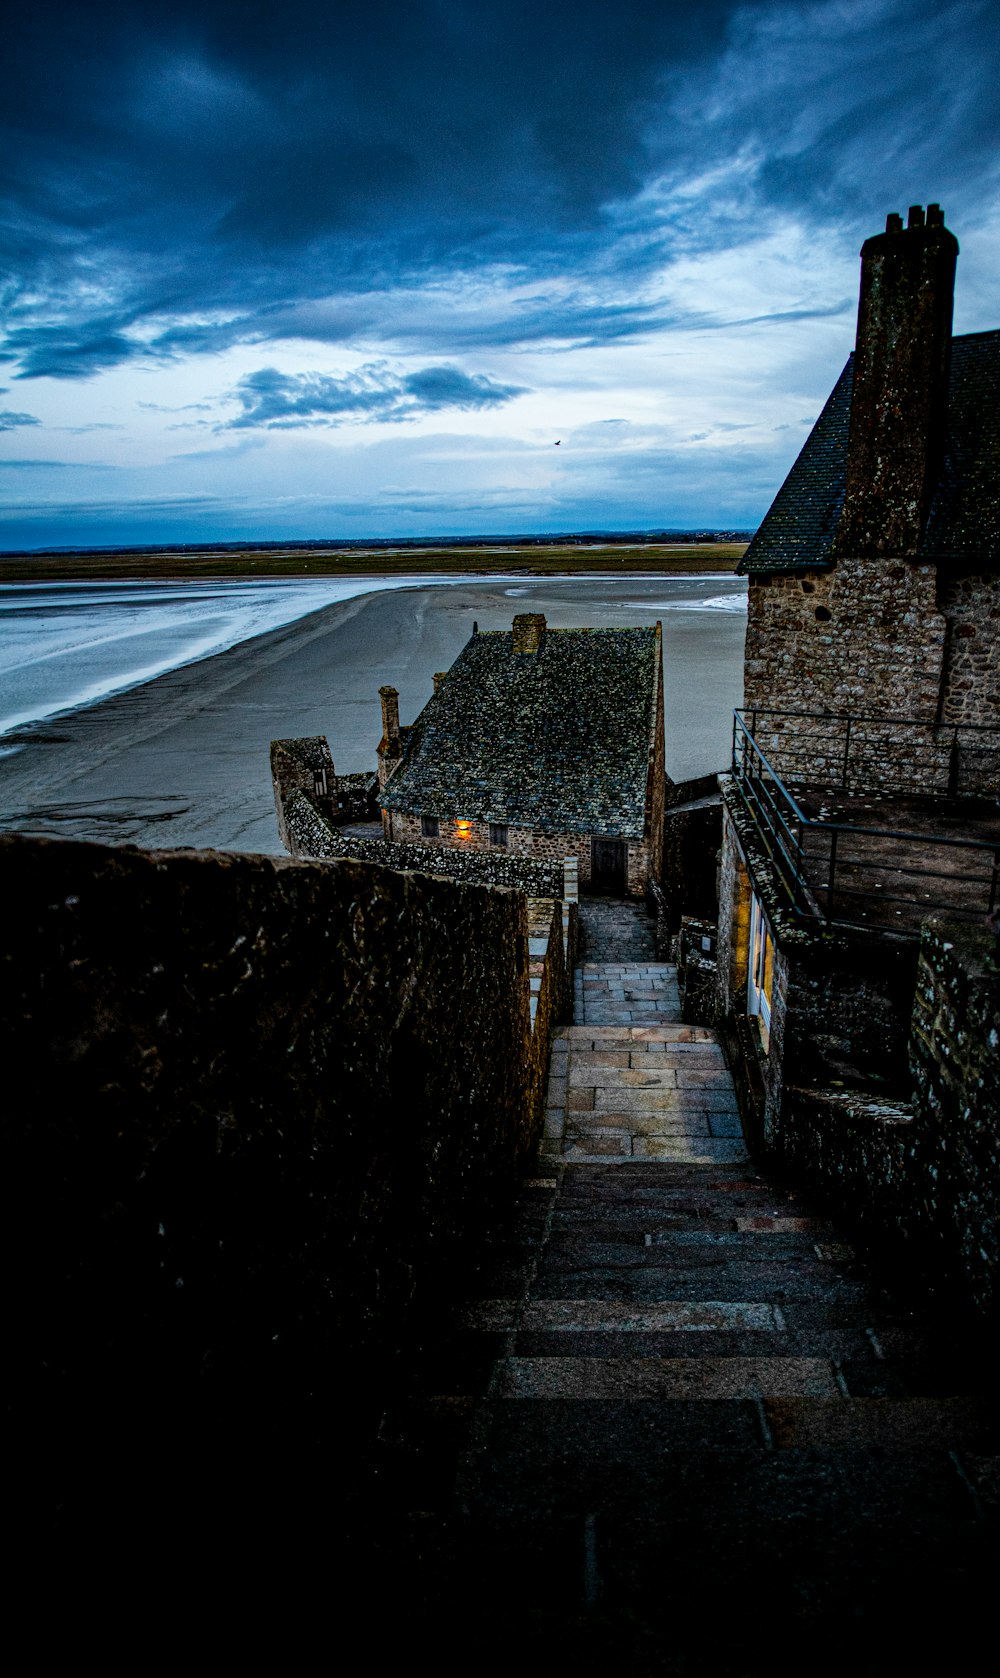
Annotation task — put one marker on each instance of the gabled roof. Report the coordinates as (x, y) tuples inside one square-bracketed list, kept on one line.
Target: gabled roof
[(964, 522), (555, 741)]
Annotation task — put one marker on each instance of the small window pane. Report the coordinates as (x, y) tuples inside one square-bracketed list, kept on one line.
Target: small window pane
[(498, 834), (430, 827)]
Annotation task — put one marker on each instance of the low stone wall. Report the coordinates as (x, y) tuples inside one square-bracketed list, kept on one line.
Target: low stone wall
[(310, 837), (257, 1110), (955, 1067), (697, 970), (921, 1178)]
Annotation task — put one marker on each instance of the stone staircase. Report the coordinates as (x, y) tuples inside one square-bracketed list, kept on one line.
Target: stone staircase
[(683, 1428)]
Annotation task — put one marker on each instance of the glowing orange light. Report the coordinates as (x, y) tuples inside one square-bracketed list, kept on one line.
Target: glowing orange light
[(463, 830)]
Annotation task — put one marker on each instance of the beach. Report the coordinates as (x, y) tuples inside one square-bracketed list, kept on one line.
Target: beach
[(183, 760)]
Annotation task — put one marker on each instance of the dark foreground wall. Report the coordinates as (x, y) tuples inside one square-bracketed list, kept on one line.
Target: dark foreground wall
[(921, 1177), (257, 1110)]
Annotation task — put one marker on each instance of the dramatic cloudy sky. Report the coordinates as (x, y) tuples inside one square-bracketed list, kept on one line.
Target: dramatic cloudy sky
[(351, 267)]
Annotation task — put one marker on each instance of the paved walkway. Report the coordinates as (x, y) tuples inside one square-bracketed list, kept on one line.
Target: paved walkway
[(682, 1429)]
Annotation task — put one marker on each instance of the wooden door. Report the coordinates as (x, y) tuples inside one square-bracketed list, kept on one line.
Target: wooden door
[(609, 866)]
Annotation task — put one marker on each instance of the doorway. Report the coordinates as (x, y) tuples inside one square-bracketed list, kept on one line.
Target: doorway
[(609, 866)]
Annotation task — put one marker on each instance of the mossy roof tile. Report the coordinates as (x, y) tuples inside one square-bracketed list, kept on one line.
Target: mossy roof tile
[(555, 741)]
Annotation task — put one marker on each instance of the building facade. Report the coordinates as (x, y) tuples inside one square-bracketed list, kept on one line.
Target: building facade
[(863, 791), (546, 743)]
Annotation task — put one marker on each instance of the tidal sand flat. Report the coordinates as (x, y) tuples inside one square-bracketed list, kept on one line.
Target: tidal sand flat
[(183, 759)]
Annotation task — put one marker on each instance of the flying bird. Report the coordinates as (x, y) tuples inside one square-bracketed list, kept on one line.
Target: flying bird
[(557, 442)]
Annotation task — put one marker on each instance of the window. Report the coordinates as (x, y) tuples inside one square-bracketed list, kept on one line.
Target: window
[(498, 834), (430, 827), (760, 968)]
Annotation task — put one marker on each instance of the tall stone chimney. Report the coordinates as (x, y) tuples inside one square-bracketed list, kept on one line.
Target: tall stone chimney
[(900, 400), (529, 632), (390, 714)]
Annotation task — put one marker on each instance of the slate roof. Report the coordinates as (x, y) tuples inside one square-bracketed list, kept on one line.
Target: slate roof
[(554, 741), (964, 522)]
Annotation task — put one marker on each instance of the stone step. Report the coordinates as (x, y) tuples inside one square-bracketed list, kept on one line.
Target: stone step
[(632, 1379), (635, 1150), (666, 1031), (676, 1315), (891, 1424)]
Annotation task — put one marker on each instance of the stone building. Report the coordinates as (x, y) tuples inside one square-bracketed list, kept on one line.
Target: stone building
[(545, 743), (305, 766), (862, 797)]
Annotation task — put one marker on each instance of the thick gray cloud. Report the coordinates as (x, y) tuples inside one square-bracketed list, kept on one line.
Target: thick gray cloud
[(376, 392), (179, 174)]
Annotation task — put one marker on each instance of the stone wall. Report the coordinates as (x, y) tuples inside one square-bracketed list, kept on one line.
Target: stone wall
[(831, 640), (888, 639), (955, 1069), (256, 1111), (311, 838), (306, 766), (920, 1178), (971, 609), (522, 843)]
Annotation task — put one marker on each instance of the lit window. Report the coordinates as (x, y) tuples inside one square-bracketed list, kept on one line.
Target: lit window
[(430, 827), (463, 829)]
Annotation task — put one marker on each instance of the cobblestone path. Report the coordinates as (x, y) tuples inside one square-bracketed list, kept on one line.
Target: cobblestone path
[(683, 1428)]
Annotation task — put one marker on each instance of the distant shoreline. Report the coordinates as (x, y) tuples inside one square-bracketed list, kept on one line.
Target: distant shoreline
[(582, 555)]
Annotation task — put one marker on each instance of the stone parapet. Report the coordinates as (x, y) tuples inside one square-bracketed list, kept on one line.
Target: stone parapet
[(258, 1113)]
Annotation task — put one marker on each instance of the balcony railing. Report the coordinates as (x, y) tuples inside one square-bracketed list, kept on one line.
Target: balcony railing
[(873, 822)]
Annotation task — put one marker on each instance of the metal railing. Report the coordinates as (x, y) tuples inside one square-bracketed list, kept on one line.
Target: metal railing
[(873, 753), (830, 869)]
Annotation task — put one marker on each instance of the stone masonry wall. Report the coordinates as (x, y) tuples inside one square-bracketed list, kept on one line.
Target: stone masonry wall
[(255, 1110), (521, 843), (920, 1176), (311, 838), (866, 637), (971, 610), (955, 1068)]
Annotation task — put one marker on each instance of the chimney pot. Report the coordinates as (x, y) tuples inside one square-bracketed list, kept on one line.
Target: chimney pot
[(935, 215), (915, 217), (439, 676), (893, 223)]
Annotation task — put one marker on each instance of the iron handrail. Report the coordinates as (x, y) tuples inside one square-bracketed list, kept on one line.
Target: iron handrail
[(869, 716), (764, 789)]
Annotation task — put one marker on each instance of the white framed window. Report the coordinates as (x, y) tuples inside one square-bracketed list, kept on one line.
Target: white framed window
[(760, 967)]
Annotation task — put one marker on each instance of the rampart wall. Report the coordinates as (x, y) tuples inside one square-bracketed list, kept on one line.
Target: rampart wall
[(256, 1110)]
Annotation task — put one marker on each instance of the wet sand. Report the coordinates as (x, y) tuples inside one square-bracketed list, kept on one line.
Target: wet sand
[(183, 760)]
